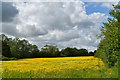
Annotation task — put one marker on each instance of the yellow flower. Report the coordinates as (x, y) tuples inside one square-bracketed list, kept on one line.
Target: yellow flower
[(52, 64)]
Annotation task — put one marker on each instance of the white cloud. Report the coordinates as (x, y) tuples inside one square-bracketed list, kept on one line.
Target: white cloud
[(59, 23), (108, 4), (59, 0), (100, 0)]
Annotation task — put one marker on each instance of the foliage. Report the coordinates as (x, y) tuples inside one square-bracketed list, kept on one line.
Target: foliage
[(7, 58), (49, 51), (17, 48), (75, 52), (108, 48), (6, 49), (69, 52), (83, 52)]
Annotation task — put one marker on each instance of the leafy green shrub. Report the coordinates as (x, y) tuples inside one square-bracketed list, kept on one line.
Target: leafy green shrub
[(109, 48)]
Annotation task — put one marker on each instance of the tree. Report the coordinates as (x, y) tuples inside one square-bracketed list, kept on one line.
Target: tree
[(69, 52), (49, 51), (6, 50), (108, 48), (74, 52), (33, 51), (18, 48), (15, 47), (83, 52), (23, 49), (5, 47)]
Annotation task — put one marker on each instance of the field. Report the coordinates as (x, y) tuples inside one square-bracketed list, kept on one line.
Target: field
[(66, 67)]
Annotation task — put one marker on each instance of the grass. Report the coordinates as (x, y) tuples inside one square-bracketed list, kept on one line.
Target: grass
[(66, 67)]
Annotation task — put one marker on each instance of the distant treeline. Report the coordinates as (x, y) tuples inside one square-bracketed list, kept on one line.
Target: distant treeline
[(15, 48)]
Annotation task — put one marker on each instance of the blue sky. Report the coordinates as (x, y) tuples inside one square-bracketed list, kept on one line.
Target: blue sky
[(96, 7), (101, 7)]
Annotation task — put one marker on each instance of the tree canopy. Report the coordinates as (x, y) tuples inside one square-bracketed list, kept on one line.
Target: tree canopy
[(109, 48), (17, 48)]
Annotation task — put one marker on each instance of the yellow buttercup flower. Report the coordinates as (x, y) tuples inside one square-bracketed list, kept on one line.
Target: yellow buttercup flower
[(46, 65)]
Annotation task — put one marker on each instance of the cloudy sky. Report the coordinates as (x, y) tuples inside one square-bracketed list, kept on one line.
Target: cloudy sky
[(65, 24)]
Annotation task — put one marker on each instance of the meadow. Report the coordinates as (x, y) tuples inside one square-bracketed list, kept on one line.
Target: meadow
[(64, 67)]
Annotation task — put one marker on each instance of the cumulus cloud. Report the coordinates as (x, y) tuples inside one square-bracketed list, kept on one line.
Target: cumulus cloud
[(64, 24), (100, 0), (108, 4)]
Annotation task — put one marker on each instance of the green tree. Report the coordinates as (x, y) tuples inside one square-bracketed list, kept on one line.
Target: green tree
[(49, 51), (5, 47), (69, 51), (33, 51), (83, 52), (6, 50), (108, 48), (74, 52), (18, 48), (23, 49)]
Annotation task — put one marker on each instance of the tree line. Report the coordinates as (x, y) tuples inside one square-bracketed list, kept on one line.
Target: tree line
[(109, 47), (15, 48)]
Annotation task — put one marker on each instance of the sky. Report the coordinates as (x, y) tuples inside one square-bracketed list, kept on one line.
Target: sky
[(65, 24)]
